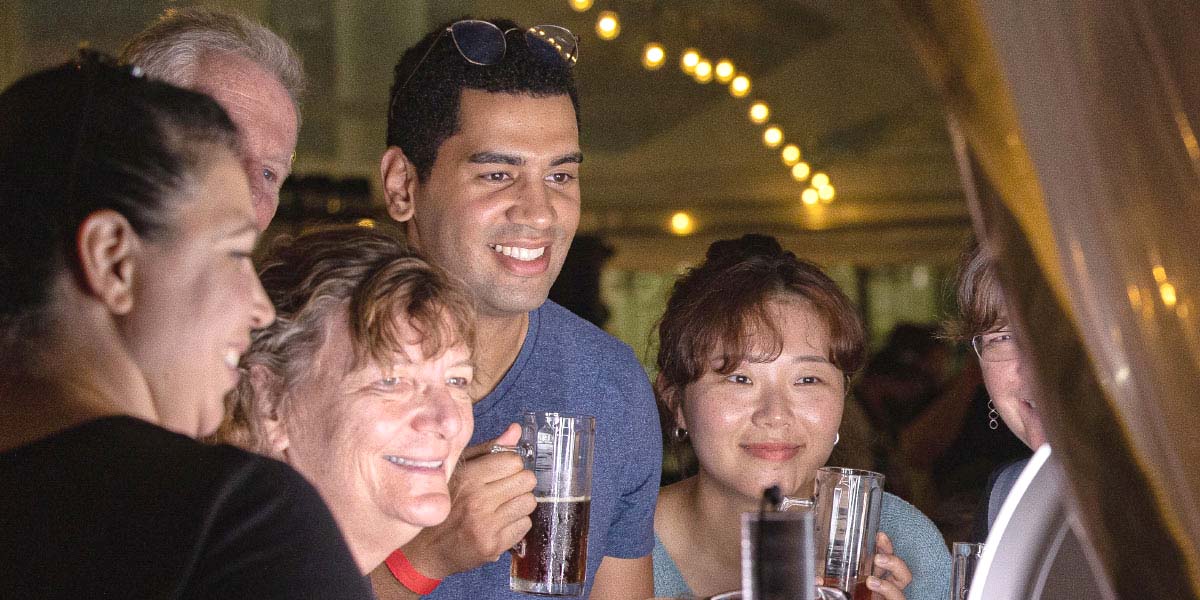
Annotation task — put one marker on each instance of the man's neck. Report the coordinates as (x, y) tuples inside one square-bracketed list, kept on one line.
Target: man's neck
[(499, 342)]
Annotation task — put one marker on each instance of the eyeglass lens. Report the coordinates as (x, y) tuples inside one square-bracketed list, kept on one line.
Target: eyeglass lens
[(480, 42), (551, 42), (995, 347)]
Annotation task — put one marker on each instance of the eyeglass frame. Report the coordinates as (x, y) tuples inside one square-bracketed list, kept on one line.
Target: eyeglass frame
[(977, 344), (569, 62)]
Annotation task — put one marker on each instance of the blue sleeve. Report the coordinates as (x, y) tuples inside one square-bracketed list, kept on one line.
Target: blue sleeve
[(631, 534), (920, 545)]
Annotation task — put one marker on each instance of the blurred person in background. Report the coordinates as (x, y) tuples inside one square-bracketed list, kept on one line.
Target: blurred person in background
[(252, 72), (128, 298), (361, 382), (755, 354)]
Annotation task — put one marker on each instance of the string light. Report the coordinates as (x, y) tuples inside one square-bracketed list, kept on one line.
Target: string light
[(724, 70), (739, 86), (682, 223), (608, 26), (653, 56), (581, 5), (688, 60), (691, 62), (773, 136), (790, 154), (759, 113), (1167, 291)]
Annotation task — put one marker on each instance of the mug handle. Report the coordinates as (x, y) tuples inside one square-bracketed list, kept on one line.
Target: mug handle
[(792, 502), (525, 451)]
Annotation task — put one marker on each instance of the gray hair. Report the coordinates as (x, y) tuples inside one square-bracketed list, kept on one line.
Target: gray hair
[(172, 47)]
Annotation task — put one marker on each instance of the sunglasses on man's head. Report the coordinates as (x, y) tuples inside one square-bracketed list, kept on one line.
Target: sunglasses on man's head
[(483, 43)]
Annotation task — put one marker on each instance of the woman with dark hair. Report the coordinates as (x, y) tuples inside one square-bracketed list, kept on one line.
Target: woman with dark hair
[(756, 348), (128, 297)]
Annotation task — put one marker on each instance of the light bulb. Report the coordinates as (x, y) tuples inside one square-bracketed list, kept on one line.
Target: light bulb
[(759, 113), (688, 60), (608, 27), (723, 70), (773, 136), (581, 5), (653, 56), (740, 86), (800, 171), (809, 196), (826, 193), (790, 154), (703, 72), (820, 180), (682, 223)]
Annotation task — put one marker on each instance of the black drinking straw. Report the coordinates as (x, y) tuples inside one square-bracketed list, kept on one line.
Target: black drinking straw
[(771, 499)]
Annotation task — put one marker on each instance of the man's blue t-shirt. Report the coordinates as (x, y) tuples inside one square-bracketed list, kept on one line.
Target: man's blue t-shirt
[(569, 365)]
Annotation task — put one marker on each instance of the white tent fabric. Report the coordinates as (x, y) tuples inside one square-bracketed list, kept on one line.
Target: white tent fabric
[(1077, 126)]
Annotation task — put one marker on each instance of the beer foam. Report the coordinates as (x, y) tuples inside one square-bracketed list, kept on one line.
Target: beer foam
[(568, 499)]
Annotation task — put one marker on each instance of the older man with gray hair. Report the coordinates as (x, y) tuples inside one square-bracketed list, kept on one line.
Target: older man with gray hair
[(249, 70)]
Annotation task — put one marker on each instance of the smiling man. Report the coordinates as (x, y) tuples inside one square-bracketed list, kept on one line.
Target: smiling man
[(482, 168), (249, 70)]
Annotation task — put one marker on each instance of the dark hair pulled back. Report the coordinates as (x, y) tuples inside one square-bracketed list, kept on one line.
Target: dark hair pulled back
[(83, 137)]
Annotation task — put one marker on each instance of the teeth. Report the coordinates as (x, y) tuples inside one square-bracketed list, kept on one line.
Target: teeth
[(421, 464), (525, 254), (231, 358)]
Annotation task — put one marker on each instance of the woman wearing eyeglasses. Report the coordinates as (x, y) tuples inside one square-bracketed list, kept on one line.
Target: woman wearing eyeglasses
[(1007, 374), (126, 298)]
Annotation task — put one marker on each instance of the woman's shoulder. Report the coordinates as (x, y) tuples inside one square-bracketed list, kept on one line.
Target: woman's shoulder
[(920, 545), (909, 523)]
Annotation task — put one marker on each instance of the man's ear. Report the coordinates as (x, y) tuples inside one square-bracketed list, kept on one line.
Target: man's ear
[(266, 389), (399, 178), (107, 245)]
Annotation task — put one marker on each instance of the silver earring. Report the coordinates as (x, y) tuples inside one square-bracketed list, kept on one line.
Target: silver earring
[(680, 434), (837, 437), (992, 414)]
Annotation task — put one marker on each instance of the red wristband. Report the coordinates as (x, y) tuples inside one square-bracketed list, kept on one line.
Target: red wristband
[(408, 576)]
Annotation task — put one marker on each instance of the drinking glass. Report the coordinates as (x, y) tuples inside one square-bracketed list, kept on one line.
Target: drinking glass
[(846, 504), (552, 558), (777, 550), (966, 558)]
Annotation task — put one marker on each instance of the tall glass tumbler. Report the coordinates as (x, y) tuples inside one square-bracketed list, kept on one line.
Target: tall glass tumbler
[(847, 505), (777, 556), (552, 558), (966, 558)]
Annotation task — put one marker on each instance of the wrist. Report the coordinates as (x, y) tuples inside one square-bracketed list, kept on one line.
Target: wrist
[(407, 574)]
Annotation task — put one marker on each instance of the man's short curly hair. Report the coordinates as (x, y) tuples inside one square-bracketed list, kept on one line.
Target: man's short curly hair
[(424, 112)]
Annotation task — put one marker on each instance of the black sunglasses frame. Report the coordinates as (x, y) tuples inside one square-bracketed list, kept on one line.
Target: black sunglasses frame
[(537, 33)]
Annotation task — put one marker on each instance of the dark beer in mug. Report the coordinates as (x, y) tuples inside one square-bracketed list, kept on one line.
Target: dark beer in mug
[(552, 559), (858, 589)]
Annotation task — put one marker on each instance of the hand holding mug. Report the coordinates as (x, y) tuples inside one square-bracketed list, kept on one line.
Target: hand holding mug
[(890, 574)]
